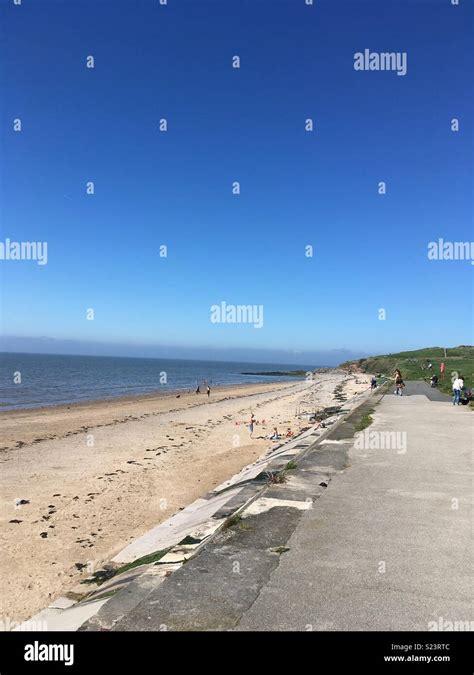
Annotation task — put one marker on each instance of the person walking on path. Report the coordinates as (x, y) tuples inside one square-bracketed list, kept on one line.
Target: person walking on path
[(458, 386), (399, 384), (441, 369)]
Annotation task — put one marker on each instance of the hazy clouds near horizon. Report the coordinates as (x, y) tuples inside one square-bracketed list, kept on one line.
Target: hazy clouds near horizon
[(330, 357)]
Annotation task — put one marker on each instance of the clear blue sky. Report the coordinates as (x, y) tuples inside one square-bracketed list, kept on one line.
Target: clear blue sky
[(247, 125)]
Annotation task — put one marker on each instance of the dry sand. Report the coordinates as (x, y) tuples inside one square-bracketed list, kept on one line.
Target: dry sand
[(97, 475)]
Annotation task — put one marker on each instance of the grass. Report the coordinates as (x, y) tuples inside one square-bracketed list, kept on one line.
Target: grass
[(365, 421), (233, 520), (236, 520), (276, 477), (188, 541), (280, 549), (413, 365), (101, 576), (291, 466)]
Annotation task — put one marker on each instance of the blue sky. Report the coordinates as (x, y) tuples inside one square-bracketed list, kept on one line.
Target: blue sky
[(246, 125)]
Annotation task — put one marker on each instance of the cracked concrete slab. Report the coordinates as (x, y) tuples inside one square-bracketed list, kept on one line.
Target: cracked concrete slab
[(266, 503), (214, 589)]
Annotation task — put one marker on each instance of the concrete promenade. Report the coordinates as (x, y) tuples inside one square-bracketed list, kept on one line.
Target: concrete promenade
[(389, 546)]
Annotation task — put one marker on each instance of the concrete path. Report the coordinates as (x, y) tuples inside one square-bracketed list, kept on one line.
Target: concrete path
[(417, 388), (389, 545), (371, 535)]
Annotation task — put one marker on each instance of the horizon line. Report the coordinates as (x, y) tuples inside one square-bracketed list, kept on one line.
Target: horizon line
[(158, 358)]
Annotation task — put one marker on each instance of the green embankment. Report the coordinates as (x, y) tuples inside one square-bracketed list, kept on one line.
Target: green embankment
[(413, 365)]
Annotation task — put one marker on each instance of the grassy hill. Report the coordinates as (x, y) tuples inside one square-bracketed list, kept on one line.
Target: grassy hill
[(413, 365)]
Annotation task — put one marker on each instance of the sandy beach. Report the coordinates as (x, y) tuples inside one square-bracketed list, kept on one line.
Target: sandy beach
[(79, 482)]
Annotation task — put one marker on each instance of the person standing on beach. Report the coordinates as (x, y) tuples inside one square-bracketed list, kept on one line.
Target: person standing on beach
[(251, 423), (208, 391), (198, 391)]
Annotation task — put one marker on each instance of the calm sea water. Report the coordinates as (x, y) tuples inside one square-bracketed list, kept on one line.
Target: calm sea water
[(48, 379)]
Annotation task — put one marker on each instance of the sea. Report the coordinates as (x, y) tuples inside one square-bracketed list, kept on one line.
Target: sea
[(36, 380)]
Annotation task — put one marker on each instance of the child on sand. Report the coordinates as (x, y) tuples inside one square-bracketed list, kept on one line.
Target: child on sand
[(251, 423), (275, 436)]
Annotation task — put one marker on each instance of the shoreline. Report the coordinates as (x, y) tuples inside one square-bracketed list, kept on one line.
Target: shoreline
[(130, 398)]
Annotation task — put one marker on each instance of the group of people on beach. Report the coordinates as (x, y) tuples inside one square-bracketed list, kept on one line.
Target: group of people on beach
[(274, 436)]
